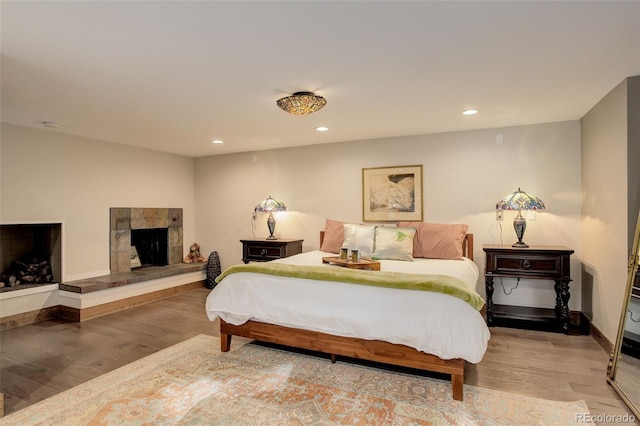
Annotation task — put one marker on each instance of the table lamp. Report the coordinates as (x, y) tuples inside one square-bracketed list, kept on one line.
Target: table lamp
[(520, 200), (270, 205)]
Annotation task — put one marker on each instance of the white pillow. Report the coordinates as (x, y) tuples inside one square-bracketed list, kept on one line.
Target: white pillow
[(359, 237), (394, 243)]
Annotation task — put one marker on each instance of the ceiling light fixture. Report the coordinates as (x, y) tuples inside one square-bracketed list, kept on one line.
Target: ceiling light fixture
[(470, 112), (50, 124), (301, 103), (217, 141), (322, 129)]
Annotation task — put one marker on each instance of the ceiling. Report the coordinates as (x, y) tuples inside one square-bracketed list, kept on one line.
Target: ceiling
[(172, 76)]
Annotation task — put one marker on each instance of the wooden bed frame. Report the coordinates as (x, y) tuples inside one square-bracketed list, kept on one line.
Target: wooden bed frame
[(370, 350)]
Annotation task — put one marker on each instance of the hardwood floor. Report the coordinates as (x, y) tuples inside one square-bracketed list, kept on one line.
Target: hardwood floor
[(41, 360)]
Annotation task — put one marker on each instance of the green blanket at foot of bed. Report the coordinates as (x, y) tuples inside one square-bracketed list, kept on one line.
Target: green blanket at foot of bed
[(427, 282)]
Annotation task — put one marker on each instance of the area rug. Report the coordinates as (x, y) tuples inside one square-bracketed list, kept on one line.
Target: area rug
[(192, 383)]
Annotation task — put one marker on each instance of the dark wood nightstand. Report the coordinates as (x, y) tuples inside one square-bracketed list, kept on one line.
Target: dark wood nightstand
[(266, 250), (535, 262)]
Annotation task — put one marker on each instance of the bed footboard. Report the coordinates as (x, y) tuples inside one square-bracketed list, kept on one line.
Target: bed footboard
[(370, 350)]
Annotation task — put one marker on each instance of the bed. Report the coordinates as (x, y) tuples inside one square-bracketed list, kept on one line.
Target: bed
[(366, 322)]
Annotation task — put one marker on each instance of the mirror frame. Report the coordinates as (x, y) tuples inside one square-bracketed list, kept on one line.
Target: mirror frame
[(617, 349)]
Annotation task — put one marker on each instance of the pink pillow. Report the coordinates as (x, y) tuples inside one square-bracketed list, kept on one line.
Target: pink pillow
[(333, 236), (437, 240)]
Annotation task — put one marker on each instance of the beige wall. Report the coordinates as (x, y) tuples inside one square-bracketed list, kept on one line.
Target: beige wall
[(47, 176), (464, 175), (633, 153), (633, 149), (604, 209)]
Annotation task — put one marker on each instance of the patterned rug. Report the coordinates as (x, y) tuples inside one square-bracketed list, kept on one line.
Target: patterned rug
[(193, 383)]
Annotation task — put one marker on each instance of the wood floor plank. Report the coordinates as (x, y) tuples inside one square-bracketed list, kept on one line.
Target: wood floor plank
[(39, 360)]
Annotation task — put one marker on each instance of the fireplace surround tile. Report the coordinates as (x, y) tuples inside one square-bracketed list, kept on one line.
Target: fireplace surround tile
[(121, 241), (175, 218), (120, 219), (137, 219), (121, 261), (175, 255), (175, 237)]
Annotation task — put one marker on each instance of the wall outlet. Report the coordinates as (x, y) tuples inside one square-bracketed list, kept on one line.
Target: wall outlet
[(499, 215)]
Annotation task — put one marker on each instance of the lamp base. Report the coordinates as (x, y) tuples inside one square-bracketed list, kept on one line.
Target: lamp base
[(271, 224), (519, 224)]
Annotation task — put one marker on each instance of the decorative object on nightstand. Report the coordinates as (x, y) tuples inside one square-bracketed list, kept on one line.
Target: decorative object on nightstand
[(266, 250), (270, 205), (519, 201)]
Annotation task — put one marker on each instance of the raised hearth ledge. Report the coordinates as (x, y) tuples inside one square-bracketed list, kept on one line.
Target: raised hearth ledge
[(94, 297), (139, 275)]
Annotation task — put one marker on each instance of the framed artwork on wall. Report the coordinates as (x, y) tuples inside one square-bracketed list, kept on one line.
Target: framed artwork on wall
[(392, 194)]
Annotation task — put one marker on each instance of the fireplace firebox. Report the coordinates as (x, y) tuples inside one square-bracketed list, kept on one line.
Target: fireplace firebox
[(151, 245), (30, 255)]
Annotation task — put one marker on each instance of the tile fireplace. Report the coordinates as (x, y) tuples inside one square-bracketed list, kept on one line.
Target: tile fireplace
[(155, 232)]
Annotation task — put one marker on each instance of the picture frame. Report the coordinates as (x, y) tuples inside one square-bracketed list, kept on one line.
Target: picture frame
[(392, 194), (135, 259)]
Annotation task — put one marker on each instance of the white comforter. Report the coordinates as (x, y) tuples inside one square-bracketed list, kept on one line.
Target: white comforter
[(431, 322)]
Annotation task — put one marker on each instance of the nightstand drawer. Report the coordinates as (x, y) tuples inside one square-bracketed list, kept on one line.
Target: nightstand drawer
[(260, 252), (267, 250), (542, 262), (538, 266)]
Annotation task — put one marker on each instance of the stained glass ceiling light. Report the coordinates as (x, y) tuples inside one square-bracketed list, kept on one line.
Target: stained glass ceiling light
[(301, 103), (520, 200)]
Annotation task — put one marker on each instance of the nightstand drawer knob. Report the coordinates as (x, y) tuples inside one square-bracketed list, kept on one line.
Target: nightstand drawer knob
[(526, 264)]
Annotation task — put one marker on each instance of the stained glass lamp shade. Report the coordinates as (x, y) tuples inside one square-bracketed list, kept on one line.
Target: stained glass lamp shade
[(519, 201), (270, 205), (301, 103)]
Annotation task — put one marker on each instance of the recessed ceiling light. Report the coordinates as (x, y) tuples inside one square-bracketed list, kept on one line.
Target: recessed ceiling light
[(217, 141), (470, 112), (50, 124), (322, 129)]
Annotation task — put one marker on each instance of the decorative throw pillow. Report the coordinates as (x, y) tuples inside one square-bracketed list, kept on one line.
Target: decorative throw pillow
[(438, 240), (333, 236), (359, 237), (394, 243)]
